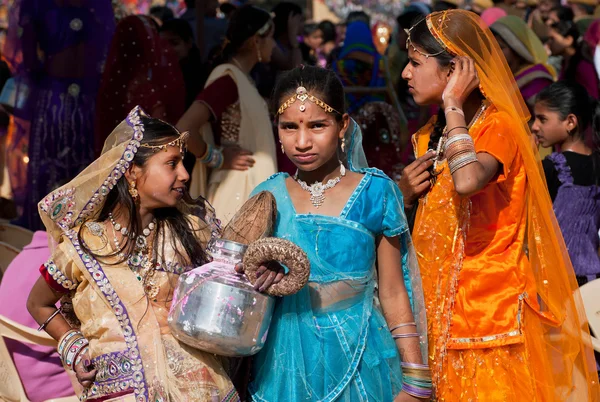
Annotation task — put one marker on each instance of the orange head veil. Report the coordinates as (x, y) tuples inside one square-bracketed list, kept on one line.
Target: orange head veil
[(463, 33)]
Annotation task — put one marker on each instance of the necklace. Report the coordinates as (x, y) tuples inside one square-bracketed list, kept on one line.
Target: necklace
[(317, 189), (140, 256)]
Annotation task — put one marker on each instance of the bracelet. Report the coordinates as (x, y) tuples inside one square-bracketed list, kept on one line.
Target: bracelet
[(218, 159), (459, 148), (208, 154), (205, 154), (457, 127), (41, 328), (414, 366), (408, 324), (462, 161), (73, 351), (458, 137), (417, 392), (455, 110), (79, 355), (62, 342), (410, 335)]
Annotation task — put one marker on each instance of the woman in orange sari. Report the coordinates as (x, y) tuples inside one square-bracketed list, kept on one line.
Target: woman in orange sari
[(504, 318)]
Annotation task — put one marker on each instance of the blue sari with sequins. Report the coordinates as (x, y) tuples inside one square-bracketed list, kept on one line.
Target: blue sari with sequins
[(330, 342)]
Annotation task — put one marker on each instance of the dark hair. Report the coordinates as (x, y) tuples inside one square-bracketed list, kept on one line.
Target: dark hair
[(162, 13), (424, 40), (227, 8), (567, 98), (310, 27), (409, 18), (329, 31), (156, 132), (441, 5), (180, 28), (316, 80), (566, 25), (245, 22), (282, 12), (354, 16)]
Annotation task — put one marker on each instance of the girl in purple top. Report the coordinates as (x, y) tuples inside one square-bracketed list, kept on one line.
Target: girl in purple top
[(563, 113)]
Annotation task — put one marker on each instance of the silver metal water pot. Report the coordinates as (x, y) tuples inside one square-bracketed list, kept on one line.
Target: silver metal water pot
[(217, 310)]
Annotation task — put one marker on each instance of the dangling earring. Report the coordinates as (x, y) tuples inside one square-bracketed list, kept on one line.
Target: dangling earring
[(282, 150), (343, 145), (258, 53), (133, 191)]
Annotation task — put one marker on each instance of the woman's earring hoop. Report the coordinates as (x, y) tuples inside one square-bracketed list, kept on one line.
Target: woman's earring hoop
[(343, 146)]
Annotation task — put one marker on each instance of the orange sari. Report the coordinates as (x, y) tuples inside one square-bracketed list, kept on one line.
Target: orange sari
[(505, 321)]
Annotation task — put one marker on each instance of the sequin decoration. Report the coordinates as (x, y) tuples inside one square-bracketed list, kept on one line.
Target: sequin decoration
[(59, 277), (138, 377), (76, 24), (230, 123), (59, 206)]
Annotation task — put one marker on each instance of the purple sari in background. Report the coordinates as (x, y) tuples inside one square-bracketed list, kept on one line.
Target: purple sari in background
[(56, 50), (531, 80)]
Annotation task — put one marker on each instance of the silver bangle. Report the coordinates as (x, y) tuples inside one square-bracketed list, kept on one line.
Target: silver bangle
[(408, 324), (43, 326), (457, 137)]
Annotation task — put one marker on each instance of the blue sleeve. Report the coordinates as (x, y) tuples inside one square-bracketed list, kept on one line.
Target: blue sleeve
[(394, 221)]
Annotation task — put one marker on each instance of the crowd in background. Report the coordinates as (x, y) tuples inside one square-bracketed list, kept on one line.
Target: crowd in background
[(69, 80)]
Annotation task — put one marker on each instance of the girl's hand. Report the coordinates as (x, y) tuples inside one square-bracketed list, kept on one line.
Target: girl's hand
[(268, 274), (463, 80), (414, 180), (237, 158), (84, 371)]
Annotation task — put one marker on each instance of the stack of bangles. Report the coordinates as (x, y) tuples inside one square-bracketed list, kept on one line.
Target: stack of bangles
[(72, 346), (213, 157), (460, 151), (459, 148), (416, 378)]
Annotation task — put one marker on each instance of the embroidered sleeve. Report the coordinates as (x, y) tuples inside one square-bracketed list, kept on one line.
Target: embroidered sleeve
[(60, 272)]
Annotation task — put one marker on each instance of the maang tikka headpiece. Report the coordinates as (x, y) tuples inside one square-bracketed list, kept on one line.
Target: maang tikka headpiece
[(179, 142), (302, 96), (433, 33)]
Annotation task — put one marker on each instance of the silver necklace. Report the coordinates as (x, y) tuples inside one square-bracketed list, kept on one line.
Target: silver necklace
[(317, 189)]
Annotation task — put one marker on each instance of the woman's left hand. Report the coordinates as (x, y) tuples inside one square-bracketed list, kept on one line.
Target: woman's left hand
[(463, 80), (266, 275)]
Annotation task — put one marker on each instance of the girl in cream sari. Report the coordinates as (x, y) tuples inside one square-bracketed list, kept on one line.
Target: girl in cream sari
[(121, 233), (231, 133)]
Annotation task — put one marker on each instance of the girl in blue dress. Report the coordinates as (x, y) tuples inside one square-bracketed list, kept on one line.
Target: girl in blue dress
[(356, 331)]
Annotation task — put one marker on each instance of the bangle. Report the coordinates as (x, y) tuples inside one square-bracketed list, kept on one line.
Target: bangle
[(410, 335), (454, 128), (408, 324), (79, 355), (62, 342), (41, 328), (208, 153), (461, 161), (458, 137), (217, 159), (73, 351), (414, 365), (455, 110)]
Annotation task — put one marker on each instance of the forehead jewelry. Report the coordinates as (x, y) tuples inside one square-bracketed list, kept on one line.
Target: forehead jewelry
[(409, 44), (180, 142), (302, 96)]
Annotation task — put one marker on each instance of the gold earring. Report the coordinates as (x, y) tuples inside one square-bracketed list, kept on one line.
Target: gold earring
[(133, 191), (282, 150), (343, 145), (258, 53)]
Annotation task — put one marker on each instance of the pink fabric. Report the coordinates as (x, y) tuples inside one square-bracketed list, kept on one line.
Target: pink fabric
[(493, 14), (39, 366), (592, 35)]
